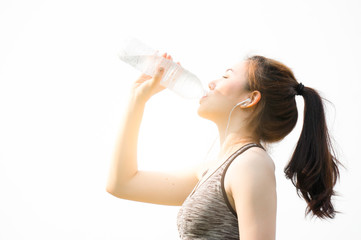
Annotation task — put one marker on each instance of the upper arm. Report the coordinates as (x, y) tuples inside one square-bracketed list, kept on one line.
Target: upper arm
[(166, 188), (253, 189)]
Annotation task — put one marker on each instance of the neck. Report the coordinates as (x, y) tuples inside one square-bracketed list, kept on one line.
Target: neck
[(233, 139)]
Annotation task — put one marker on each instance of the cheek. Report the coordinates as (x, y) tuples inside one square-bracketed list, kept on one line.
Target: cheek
[(221, 100), (229, 89), (214, 106)]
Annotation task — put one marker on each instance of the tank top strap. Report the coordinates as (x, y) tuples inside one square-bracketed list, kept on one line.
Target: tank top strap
[(222, 168), (239, 152), (226, 166)]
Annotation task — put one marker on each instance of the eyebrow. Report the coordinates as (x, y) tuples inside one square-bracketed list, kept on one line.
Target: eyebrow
[(229, 69)]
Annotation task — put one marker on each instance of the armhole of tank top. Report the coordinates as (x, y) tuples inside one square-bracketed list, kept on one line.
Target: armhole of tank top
[(226, 200)]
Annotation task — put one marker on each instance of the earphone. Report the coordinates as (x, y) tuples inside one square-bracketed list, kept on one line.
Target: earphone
[(243, 103)]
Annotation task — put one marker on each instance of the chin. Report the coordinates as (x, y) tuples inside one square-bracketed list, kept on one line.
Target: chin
[(205, 113)]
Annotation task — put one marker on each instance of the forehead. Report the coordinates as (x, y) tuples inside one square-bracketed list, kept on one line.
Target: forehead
[(238, 69), (239, 66)]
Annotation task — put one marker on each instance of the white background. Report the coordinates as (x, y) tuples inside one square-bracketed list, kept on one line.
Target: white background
[(63, 91)]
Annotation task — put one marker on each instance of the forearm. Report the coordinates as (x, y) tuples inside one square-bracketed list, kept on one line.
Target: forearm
[(124, 163)]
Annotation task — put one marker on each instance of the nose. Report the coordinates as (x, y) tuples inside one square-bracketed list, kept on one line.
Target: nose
[(211, 85)]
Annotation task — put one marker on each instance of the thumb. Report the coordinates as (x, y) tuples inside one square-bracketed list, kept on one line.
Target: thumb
[(158, 76)]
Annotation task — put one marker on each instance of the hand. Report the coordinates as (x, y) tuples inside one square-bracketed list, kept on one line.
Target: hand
[(146, 86)]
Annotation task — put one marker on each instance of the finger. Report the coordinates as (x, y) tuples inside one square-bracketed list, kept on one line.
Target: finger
[(158, 63), (143, 77), (158, 76)]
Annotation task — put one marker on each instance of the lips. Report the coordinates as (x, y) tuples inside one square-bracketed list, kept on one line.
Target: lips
[(200, 100)]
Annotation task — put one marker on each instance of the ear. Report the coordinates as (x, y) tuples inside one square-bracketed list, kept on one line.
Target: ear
[(255, 98)]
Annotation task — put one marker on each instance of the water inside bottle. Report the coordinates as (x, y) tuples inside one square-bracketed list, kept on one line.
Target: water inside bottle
[(139, 62), (147, 64), (175, 78)]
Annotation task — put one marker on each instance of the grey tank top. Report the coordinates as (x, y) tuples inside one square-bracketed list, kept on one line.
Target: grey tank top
[(207, 213)]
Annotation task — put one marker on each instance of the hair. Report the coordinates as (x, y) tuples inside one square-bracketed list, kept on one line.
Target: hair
[(313, 166)]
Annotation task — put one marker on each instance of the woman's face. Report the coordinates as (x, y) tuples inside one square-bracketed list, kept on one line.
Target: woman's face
[(224, 93)]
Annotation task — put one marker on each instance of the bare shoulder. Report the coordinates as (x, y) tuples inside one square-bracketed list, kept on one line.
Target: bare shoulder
[(253, 158), (255, 163), (251, 189)]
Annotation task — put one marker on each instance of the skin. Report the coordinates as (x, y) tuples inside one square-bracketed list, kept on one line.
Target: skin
[(249, 182)]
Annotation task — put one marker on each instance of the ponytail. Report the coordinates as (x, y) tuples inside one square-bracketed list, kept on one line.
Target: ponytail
[(313, 166)]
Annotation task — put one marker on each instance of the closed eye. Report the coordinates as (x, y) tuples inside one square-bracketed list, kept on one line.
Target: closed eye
[(224, 77)]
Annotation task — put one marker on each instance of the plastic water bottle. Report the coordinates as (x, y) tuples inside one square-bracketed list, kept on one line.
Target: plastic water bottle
[(175, 77)]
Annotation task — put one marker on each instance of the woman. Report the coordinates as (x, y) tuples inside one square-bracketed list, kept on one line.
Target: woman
[(234, 196)]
